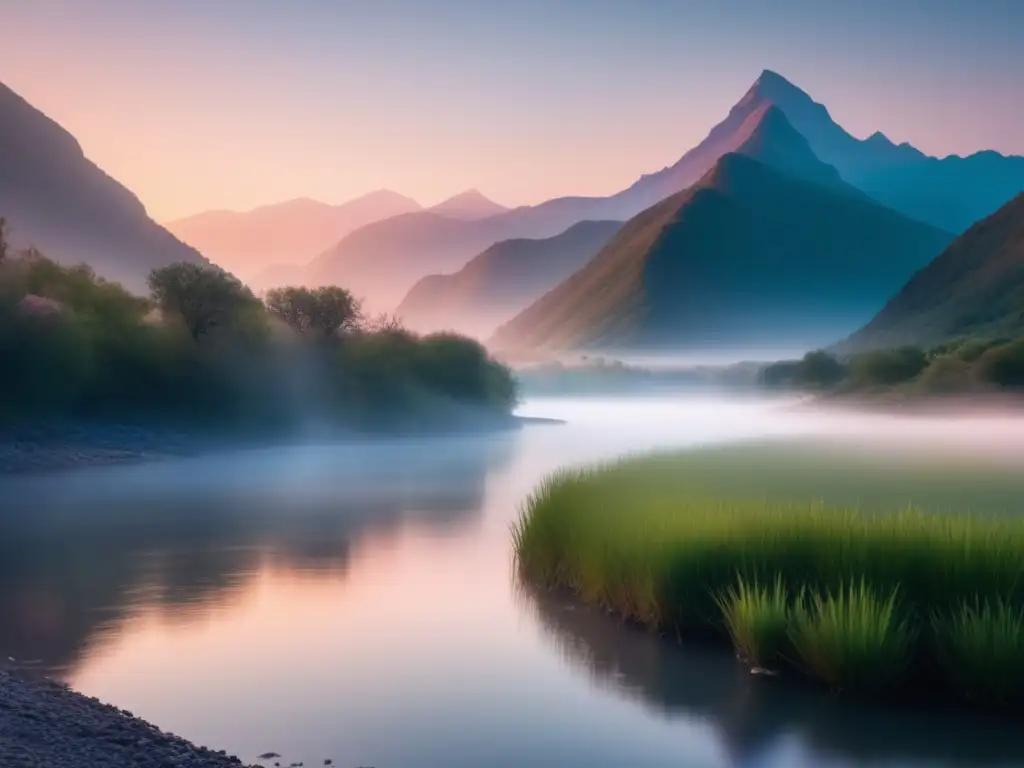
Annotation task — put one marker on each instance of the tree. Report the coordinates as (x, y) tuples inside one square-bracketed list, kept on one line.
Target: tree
[(203, 297), (327, 311)]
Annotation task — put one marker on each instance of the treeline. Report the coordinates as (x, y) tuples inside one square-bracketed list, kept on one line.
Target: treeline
[(202, 351), (959, 366)]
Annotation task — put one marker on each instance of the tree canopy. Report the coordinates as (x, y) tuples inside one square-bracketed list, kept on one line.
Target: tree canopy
[(326, 311), (203, 298)]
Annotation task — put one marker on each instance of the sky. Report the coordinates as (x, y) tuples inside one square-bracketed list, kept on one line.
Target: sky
[(210, 104)]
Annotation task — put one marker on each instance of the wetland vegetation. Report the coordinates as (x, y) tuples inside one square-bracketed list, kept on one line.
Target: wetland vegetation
[(859, 573)]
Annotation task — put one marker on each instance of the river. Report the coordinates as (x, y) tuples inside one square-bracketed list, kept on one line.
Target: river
[(356, 603)]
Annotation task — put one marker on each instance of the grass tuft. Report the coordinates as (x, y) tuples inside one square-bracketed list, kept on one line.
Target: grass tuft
[(757, 618), (981, 649), (852, 638)]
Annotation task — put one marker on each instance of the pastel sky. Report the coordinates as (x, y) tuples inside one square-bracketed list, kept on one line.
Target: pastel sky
[(200, 104)]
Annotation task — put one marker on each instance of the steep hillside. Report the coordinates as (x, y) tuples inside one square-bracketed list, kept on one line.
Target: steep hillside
[(289, 233), (59, 201), (502, 280), (748, 256), (974, 287)]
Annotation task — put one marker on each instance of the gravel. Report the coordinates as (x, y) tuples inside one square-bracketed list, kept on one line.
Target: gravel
[(44, 724)]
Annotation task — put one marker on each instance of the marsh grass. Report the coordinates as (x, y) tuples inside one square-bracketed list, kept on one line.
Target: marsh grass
[(757, 619), (981, 649), (852, 638), (651, 540)]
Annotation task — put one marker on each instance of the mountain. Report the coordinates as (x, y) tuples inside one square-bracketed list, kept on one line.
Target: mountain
[(950, 193), (502, 280), (382, 261), (468, 205), (975, 286), (749, 256), (59, 201), (292, 232)]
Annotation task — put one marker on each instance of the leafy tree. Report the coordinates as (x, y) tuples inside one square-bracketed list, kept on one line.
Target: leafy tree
[(203, 297), (327, 311)]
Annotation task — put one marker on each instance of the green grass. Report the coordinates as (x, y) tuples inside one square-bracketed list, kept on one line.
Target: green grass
[(757, 619), (853, 638), (687, 543), (981, 649)]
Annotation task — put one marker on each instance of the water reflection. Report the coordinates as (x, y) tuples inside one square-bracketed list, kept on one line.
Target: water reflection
[(82, 551), (761, 722)]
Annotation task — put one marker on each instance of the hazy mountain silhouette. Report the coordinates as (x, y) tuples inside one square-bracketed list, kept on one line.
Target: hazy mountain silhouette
[(289, 233), (383, 260), (470, 204), (59, 201), (748, 256), (502, 280), (975, 286)]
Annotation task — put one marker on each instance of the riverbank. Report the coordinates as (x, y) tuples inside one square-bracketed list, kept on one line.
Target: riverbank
[(875, 600), (44, 723)]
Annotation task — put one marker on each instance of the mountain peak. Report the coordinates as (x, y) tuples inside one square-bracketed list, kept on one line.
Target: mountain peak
[(769, 137), (469, 204), (772, 87)]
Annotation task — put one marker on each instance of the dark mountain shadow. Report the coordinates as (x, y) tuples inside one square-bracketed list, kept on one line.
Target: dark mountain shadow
[(755, 716), (81, 552)]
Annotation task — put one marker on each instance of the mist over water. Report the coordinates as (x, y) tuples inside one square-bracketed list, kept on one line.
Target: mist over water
[(356, 601)]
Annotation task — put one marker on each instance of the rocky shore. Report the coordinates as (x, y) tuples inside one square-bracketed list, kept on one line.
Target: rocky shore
[(44, 724)]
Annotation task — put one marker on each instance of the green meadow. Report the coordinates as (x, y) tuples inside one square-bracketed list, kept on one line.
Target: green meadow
[(862, 571)]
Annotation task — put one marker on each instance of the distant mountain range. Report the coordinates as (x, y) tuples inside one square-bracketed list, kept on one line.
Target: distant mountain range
[(285, 234), (778, 214), (501, 281), (769, 247), (382, 261), (59, 201), (975, 287)]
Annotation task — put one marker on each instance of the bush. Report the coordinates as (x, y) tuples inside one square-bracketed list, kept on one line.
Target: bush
[(887, 367), (1003, 365)]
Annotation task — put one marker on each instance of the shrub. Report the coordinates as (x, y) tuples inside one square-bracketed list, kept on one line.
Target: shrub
[(1003, 365), (887, 367)]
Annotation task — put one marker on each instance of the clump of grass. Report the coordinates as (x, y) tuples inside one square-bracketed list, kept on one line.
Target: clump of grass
[(981, 649), (852, 638), (757, 618)]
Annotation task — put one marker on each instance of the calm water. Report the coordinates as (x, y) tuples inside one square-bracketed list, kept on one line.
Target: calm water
[(356, 603)]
